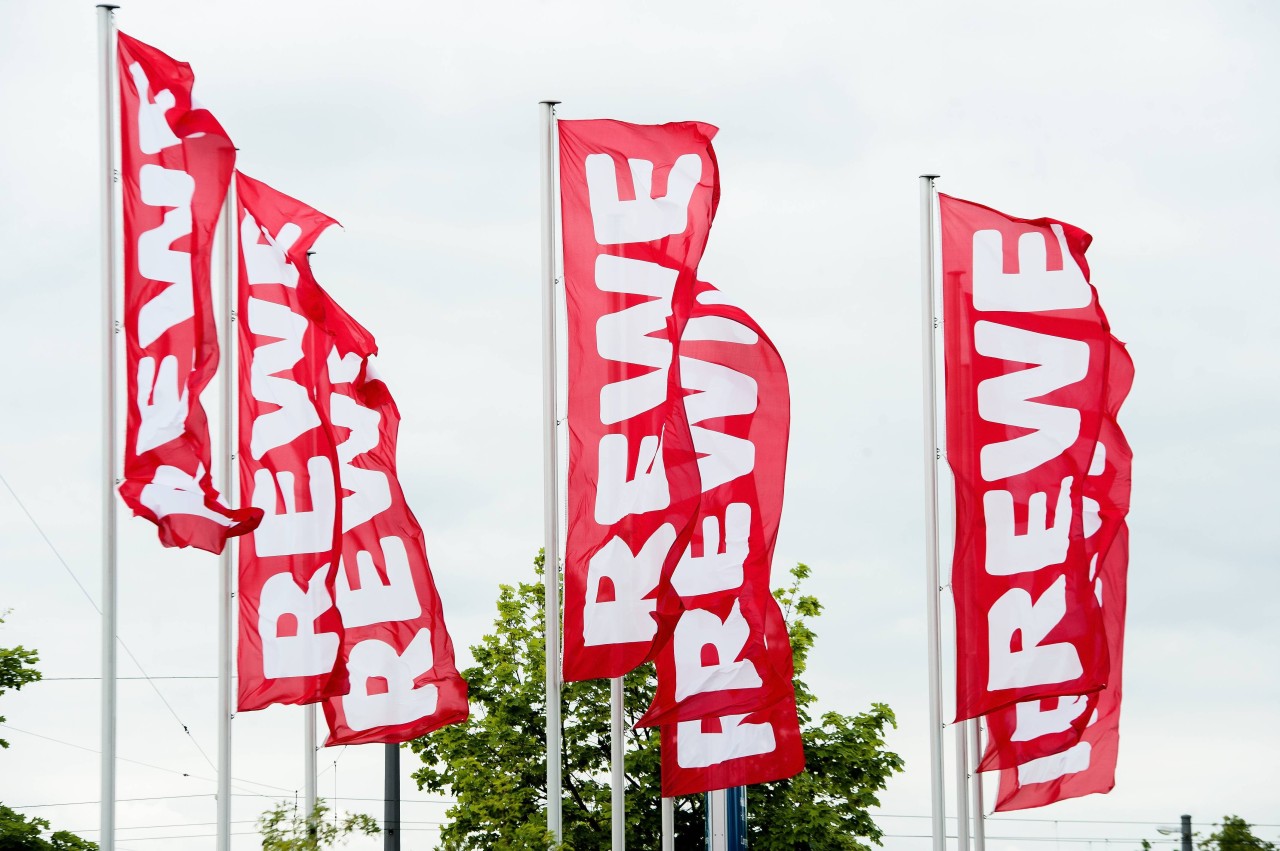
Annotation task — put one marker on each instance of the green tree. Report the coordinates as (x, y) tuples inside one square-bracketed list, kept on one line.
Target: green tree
[(17, 669), (495, 765), (284, 828), (17, 832), (1235, 834)]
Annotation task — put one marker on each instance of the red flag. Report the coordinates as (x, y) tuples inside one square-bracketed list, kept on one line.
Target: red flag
[(1089, 766), (176, 161), (740, 749), (637, 208), (737, 403), (1019, 734), (290, 629), (398, 653), (1026, 358)]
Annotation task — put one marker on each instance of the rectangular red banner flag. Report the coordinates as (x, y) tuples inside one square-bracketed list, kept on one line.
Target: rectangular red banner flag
[(1026, 361), (1025, 732), (637, 205), (176, 161), (739, 749), (290, 628), (397, 650), (1089, 766), (737, 403)]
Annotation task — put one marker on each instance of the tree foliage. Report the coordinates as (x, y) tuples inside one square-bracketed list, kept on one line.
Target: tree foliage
[(17, 832), (1235, 834), (17, 669), (284, 828), (495, 764)]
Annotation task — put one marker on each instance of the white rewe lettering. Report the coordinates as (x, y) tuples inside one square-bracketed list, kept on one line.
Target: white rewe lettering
[(154, 133), (1033, 721), (399, 701), (624, 336), (697, 671), (374, 601), (1047, 768), (618, 581), (290, 531), (268, 263), (1033, 287), (1033, 664), (715, 571), (370, 493), (296, 414), (162, 403), (1042, 544), (1005, 398), (619, 494), (157, 261), (735, 740), (721, 392), (291, 647), (175, 491), (646, 218)]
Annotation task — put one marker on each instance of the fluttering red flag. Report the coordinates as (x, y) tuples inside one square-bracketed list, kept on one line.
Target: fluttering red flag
[(337, 598), (1019, 734), (290, 628), (759, 746), (396, 648), (637, 204), (736, 400), (176, 161), (1026, 347)]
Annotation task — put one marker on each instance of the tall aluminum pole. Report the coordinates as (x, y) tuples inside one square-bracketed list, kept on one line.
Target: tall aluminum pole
[(550, 480), (227, 561), (106, 92), (391, 797), (1186, 833), (309, 762), (668, 824), (928, 325), (962, 784), (975, 789), (618, 782)]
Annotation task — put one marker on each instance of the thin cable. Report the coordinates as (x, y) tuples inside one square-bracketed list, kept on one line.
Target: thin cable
[(98, 609), (147, 764)]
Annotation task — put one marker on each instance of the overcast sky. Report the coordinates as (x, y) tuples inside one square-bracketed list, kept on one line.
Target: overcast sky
[(1153, 125)]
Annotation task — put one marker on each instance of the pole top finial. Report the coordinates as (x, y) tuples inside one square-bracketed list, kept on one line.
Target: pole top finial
[(108, 6), (551, 102), (931, 176)]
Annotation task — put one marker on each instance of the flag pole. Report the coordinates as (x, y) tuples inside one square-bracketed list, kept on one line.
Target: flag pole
[(107, 57), (931, 453), (975, 791), (550, 480), (309, 764), (618, 781), (962, 784), (668, 824), (227, 560), (391, 797)]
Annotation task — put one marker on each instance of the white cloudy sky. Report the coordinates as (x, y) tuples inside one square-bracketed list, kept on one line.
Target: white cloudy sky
[(1151, 124)]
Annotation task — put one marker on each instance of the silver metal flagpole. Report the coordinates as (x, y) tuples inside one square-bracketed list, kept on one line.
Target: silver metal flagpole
[(618, 781), (928, 327), (668, 824), (550, 468), (962, 784), (228, 561), (107, 60), (975, 790), (309, 762)]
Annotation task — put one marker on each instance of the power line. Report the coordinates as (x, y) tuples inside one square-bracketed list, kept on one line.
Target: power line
[(149, 765), (98, 609)]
